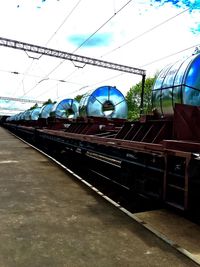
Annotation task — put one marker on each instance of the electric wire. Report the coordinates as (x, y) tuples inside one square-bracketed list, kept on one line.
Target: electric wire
[(52, 36), (147, 64), (106, 22), (35, 76), (108, 79), (145, 32), (46, 76), (115, 76), (49, 89), (22, 81), (131, 40), (168, 56), (64, 80), (64, 21), (94, 84), (57, 66), (135, 38)]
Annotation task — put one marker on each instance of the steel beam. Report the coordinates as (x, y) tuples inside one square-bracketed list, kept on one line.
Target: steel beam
[(69, 56), (21, 100)]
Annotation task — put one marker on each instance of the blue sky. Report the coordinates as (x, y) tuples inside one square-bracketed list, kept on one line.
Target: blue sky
[(104, 39), (100, 39), (139, 35)]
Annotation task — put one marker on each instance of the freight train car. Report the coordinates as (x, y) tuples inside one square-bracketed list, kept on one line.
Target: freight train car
[(158, 155)]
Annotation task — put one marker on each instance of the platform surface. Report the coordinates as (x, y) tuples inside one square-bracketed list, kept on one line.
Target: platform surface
[(47, 218), (182, 232)]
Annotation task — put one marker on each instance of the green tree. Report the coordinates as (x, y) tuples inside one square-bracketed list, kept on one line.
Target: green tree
[(78, 98), (133, 98), (49, 101), (34, 106)]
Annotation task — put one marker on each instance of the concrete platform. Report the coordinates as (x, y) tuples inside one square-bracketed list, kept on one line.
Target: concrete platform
[(181, 233), (47, 218)]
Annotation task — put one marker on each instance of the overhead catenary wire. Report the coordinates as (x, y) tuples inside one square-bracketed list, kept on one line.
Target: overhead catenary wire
[(168, 56), (132, 39), (140, 35), (35, 76), (25, 73), (112, 77), (64, 80), (147, 64), (46, 76), (94, 84), (106, 22), (145, 32), (48, 41), (64, 21), (57, 66)]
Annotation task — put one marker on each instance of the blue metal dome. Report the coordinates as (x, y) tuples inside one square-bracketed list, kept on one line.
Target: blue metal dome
[(177, 83)]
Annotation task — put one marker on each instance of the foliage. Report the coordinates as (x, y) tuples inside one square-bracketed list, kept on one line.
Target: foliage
[(33, 107), (49, 101), (78, 98), (133, 99)]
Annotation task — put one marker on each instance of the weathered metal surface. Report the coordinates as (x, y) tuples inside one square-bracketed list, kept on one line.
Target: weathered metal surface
[(187, 123)]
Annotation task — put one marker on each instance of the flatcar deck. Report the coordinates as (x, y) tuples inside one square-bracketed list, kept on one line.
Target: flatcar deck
[(47, 218)]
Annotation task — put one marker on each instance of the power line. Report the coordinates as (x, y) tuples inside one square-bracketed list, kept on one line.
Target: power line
[(152, 62), (49, 89), (102, 25), (176, 53), (91, 85), (78, 90), (126, 43), (66, 18), (52, 36), (57, 66), (108, 79), (118, 75), (46, 76), (145, 32), (22, 81), (37, 76), (115, 13)]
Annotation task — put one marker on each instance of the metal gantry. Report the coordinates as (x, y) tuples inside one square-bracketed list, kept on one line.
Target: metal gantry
[(69, 56), (11, 109), (21, 100), (75, 58)]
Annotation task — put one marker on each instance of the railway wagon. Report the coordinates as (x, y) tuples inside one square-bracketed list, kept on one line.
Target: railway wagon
[(157, 156)]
